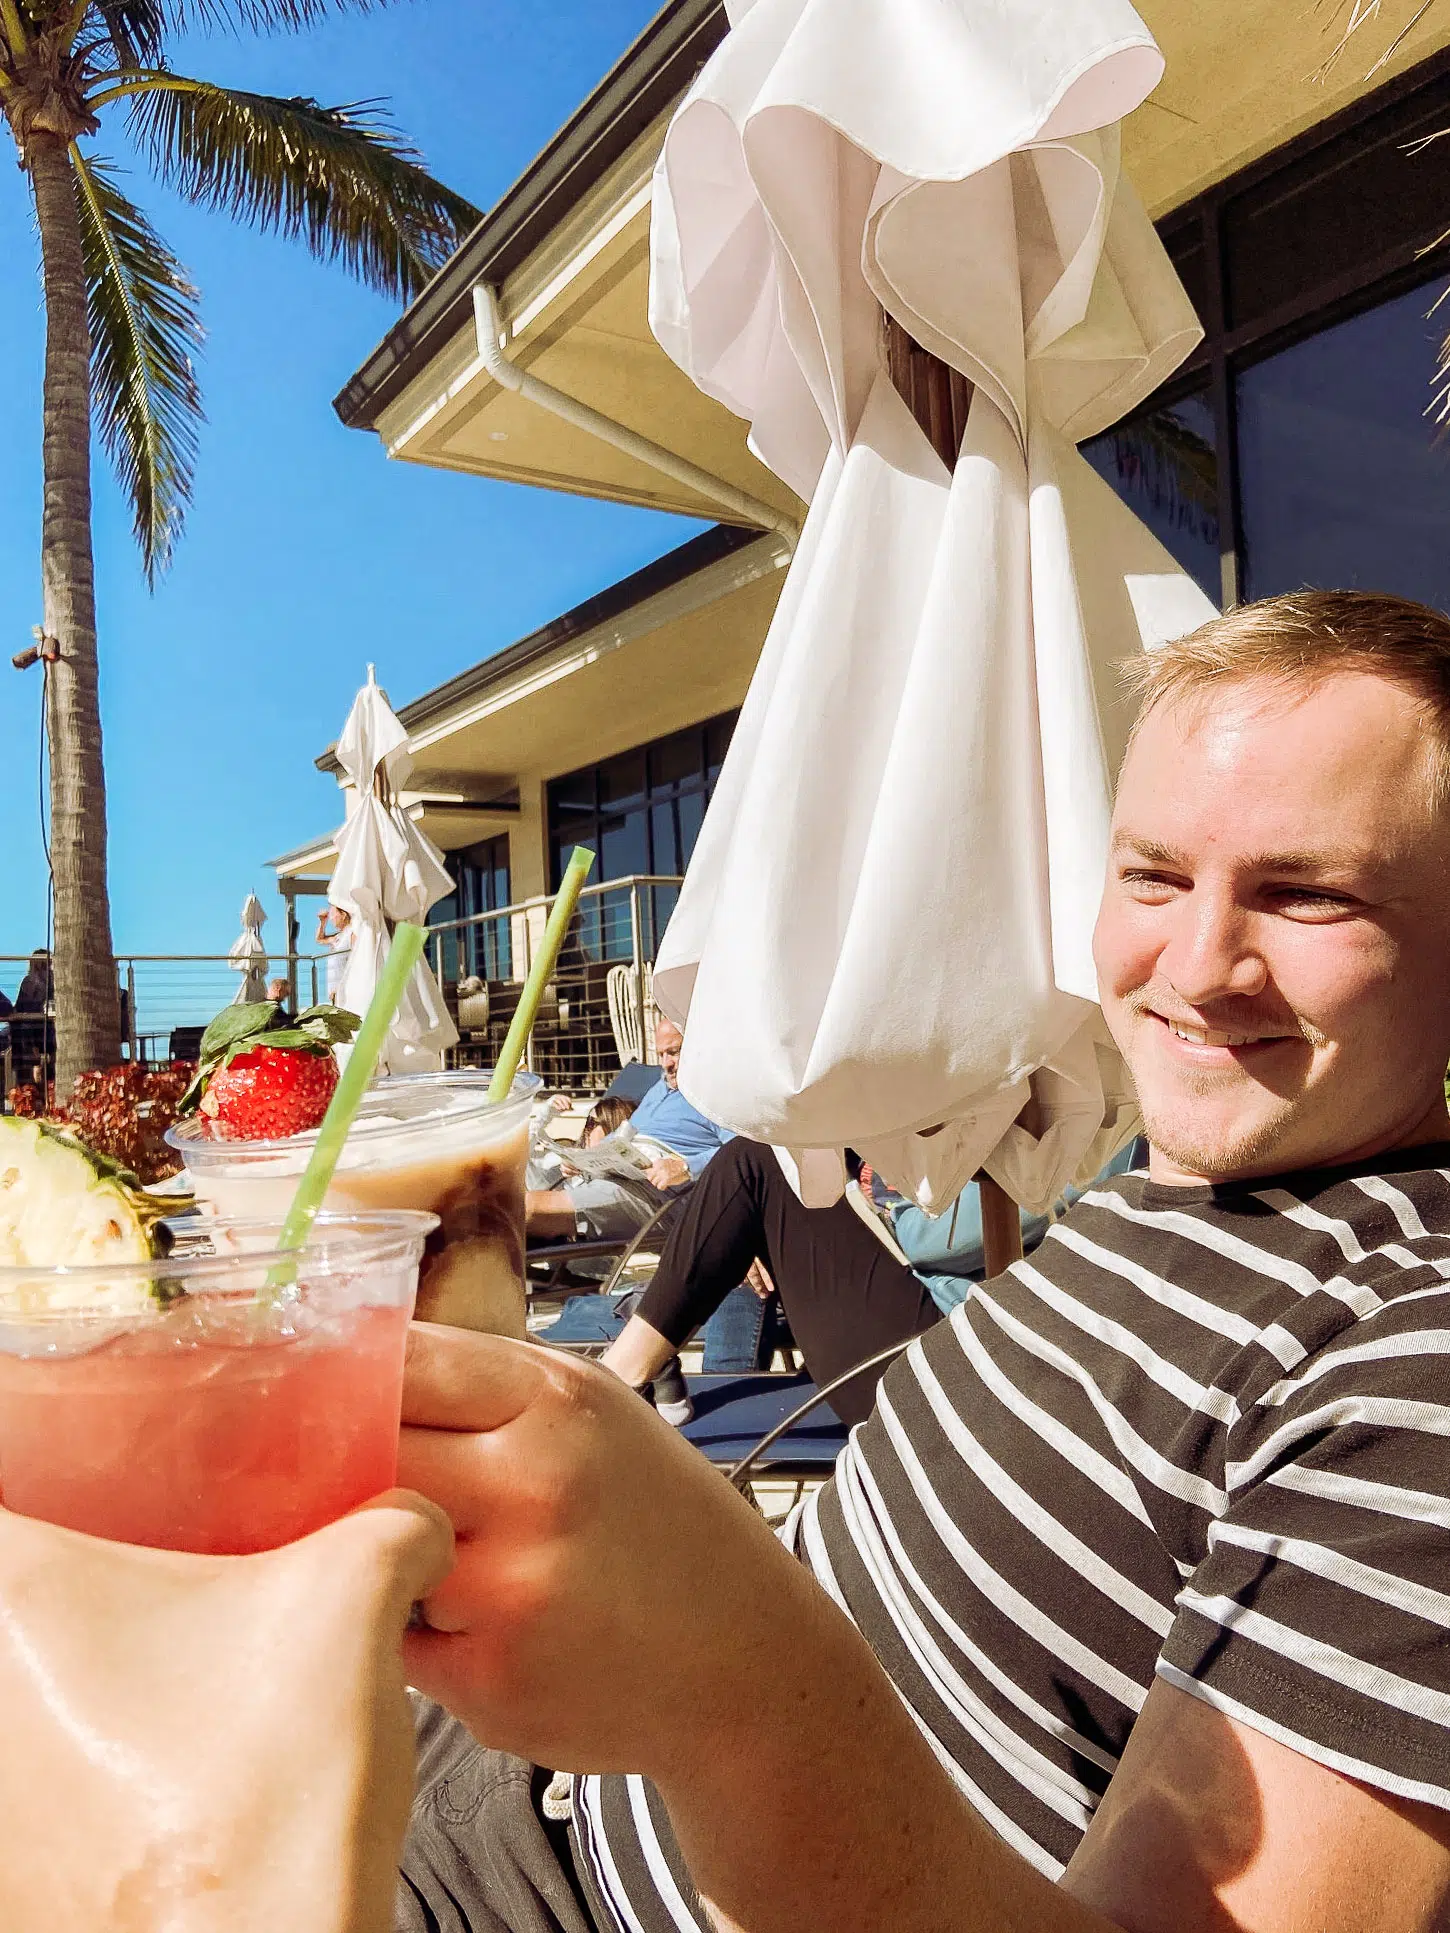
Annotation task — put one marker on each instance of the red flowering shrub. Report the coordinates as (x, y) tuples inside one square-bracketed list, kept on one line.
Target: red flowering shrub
[(124, 1112)]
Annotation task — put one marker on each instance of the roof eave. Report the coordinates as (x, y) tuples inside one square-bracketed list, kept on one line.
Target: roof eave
[(655, 71), (687, 560)]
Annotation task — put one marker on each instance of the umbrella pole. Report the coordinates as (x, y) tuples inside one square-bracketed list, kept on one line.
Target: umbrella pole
[(938, 397), (1001, 1226)]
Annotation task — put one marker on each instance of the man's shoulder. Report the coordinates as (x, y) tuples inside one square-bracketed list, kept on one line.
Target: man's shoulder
[(1383, 1222), (663, 1099)]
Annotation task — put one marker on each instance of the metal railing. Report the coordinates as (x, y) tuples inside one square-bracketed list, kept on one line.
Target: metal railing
[(576, 1044), (163, 995), (481, 964)]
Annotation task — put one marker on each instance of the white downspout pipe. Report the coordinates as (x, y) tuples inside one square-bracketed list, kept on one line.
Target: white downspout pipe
[(738, 504)]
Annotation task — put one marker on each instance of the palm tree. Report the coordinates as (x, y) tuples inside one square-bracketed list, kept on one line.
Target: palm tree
[(121, 324)]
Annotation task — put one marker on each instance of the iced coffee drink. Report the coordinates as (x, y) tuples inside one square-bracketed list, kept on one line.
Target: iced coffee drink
[(423, 1141)]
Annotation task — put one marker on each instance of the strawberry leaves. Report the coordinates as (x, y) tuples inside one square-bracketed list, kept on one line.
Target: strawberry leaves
[(238, 1030)]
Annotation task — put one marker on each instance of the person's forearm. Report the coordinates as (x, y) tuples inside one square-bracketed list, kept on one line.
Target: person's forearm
[(638, 1353), (549, 1211), (809, 1798)]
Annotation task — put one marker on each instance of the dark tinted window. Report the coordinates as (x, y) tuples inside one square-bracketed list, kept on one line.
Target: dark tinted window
[(575, 791), (717, 743), (1164, 466), (622, 780), (640, 811), (1346, 205), (623, 845), (481, 876), (1184, 244), (665, 854), (677, 759), (1344, 479)]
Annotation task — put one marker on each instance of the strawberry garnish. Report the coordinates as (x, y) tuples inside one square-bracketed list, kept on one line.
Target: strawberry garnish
[(261, 1081), (268, 1093)]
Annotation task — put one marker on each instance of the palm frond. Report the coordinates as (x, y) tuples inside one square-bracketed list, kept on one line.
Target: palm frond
[(144, 328), (260, 16), (135, 30), (1357, 14), (339, 179)]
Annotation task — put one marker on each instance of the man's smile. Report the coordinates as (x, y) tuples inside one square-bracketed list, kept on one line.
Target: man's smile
[(1197, 1042)]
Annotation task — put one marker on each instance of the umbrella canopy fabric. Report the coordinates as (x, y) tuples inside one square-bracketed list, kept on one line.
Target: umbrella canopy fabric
[(387, 871), (248, 954), (886, 925)]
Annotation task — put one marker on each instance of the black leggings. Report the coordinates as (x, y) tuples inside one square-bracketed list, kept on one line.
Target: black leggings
[(845, 1296)]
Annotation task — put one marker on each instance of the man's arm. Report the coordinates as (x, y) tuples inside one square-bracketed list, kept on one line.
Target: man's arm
[(550, 1211), (800, 1789), (1208, 1827), (1211, 1826), (670, 1171)]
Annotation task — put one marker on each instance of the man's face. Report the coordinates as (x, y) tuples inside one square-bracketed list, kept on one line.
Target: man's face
[(668, 1042), (1273, 949)]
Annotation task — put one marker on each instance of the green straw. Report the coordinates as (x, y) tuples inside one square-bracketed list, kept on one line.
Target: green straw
[(403, 955), (520, 1027)]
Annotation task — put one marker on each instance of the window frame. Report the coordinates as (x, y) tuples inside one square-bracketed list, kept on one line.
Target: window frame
[(1362, 146)]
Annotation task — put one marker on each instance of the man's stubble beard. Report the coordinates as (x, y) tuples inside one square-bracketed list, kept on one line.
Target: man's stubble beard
[(1235, 1153)]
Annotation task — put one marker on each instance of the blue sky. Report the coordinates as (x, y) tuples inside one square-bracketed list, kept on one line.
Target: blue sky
[(307, 553)]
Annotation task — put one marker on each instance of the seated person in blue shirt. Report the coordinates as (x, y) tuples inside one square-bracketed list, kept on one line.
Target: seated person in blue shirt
[(845, 1291), (604, 1209)]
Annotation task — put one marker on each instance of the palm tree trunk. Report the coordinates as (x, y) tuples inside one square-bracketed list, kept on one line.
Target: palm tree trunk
[(87, 1008)]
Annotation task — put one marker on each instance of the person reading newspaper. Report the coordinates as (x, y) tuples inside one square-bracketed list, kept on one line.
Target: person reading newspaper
[(1127, 1606), (621, 1183)]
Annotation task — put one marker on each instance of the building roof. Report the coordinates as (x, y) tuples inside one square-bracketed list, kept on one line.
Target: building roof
[(665, 647), (663, 574), (648, 78)]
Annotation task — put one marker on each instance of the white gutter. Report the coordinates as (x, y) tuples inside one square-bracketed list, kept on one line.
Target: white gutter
[(737, 504)]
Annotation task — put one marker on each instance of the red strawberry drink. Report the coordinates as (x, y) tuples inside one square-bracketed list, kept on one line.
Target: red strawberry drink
[(423, 1141), (188, 1404)]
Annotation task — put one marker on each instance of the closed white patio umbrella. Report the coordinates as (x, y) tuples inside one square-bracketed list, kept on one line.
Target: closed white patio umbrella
[(386, 871), (886, 925), (248, 954)]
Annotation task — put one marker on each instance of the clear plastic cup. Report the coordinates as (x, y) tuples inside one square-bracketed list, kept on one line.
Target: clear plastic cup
[(189, 1404), (427, 1141)]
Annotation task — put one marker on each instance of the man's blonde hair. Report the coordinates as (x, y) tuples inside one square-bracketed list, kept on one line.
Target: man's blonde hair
[(1298, 640)]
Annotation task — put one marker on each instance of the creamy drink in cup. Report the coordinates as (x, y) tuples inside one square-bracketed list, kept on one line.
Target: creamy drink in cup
[(188, 1403), (432, 1142)]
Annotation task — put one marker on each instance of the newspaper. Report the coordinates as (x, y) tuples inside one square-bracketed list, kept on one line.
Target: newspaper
[(621, 1156)]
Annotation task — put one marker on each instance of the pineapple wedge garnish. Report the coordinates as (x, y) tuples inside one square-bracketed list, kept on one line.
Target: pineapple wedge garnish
[(63, 1206)]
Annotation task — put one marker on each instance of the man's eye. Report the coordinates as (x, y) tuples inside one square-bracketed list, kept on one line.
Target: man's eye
[(1302, 902), (1148, 884)]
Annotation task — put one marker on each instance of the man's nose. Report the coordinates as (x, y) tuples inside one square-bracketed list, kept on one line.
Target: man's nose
[(1213, 952)]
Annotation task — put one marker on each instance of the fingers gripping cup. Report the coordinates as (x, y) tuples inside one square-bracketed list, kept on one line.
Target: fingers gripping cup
[(431, 1142), (184, 1403)]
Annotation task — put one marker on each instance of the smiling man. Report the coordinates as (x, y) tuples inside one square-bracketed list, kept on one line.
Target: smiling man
[(1145, 1550)]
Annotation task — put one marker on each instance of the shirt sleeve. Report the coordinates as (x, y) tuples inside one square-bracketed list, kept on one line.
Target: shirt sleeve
[(1319, 1615), (699, 1159)]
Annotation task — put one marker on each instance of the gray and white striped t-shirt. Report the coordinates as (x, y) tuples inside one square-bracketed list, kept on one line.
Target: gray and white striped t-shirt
[(1200, 1432)]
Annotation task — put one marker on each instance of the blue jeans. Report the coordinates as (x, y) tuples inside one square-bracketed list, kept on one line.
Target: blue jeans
[(740, 1337)]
